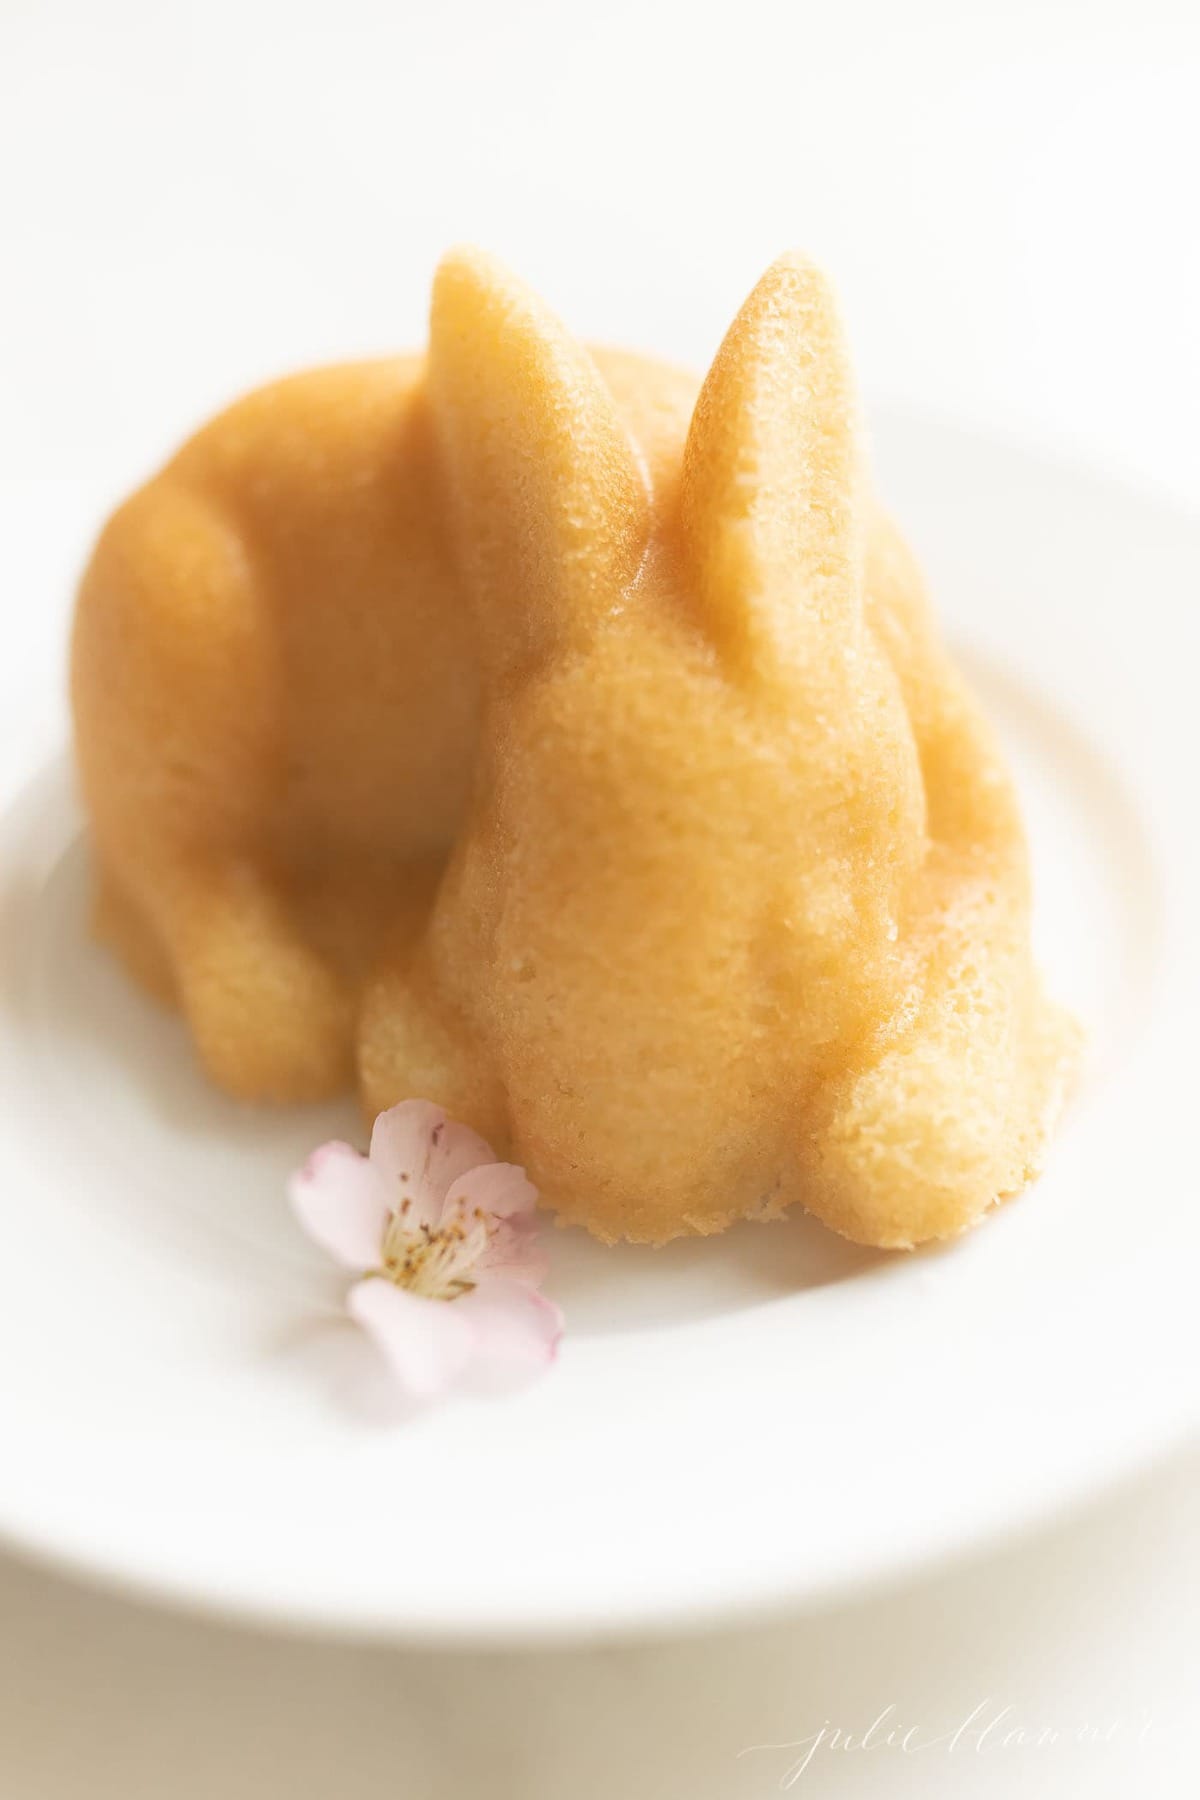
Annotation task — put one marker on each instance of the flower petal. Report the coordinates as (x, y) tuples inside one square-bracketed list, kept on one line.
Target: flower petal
[(341, 1203), (517, 1332), (417, 1147), (502, 1189), (427, 1343), (514, 1253)]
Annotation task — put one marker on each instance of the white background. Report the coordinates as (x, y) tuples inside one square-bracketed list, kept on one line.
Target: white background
[(192, 198)]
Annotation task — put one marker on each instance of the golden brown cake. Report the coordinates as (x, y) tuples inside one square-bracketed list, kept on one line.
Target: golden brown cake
[(735, 913)]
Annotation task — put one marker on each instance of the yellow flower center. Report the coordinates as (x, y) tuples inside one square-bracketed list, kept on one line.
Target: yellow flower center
[(434, 1261)]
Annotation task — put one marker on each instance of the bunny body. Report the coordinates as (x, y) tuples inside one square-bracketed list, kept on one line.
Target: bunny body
[(519, 731)]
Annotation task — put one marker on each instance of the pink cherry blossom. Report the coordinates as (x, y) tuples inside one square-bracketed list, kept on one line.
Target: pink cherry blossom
[(445, 1241)]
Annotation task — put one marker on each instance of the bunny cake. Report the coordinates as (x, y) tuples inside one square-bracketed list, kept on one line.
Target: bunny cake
[(518, 728)]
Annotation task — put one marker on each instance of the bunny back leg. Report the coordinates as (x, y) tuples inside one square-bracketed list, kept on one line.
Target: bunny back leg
[(180, 741), (271, 1019)]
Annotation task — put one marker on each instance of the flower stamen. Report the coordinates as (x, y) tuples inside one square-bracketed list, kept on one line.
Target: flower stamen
[(435, 1262)]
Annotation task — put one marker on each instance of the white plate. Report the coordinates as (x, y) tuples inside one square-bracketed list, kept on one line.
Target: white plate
[(756, 1421)]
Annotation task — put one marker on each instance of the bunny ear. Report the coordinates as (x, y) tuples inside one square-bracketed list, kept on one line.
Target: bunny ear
[(549, 500), (771, 481)]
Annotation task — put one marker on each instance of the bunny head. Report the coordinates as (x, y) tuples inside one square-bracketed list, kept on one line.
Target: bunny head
[(685, 917)]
